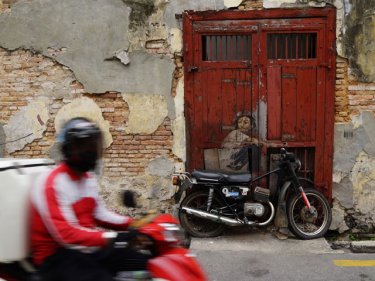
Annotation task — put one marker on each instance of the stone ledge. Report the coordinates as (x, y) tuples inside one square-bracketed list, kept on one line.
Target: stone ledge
[(367, 246), (363, 246)]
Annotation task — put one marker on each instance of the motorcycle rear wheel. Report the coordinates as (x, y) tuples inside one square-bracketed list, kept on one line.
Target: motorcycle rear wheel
[(195, 226), (302, 223)]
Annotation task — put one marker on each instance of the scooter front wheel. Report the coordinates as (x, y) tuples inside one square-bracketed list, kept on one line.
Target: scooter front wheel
[(307, 224), (200, 227)]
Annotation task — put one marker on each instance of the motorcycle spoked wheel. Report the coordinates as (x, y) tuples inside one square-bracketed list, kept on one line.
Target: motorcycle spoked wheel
[(195, 226), (304, 224)]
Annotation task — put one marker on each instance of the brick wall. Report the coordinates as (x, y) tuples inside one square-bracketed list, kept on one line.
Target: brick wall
[(129, 154), (361, 97), (22, 75), (351, 96), (22, 78), (342, 111)]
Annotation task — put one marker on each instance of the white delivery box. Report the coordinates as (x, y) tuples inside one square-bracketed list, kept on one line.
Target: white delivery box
[(16, 177)]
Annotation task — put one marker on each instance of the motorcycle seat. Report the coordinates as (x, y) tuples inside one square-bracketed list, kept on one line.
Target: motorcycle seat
[(221, 177)]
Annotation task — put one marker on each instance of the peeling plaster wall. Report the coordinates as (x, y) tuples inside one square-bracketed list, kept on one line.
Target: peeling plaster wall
[(146, 113), (178, 125), (131, 47), (294, 3), (26, 126), (66, 32), (358, 38), (232, 3), (177, 7), (354, 173), (84, 107)]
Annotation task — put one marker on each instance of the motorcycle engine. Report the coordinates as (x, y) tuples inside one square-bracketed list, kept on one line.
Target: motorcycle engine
[(253, 209)]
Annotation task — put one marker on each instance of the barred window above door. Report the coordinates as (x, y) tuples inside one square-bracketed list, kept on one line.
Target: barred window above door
[(291, 46), (226, 47)]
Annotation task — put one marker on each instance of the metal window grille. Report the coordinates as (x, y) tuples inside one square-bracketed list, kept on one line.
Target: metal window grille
[(305, 154), (226, 47), (291, 46)]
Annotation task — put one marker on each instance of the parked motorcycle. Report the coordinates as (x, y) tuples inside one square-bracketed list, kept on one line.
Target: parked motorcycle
[(160, 235), (214, 200)]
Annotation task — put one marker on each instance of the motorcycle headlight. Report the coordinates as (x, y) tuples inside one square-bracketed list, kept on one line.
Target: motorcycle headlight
[(172, 232)]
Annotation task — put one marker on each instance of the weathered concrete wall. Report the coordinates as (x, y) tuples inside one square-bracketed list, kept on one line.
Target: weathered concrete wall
[(145, 114), (82, 47), (92, 49), (354, 174), (294, 3), (27, 125), (359, 38), (84, 107)]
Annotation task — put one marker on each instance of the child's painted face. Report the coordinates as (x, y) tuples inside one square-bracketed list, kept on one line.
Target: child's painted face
[(244, 124)]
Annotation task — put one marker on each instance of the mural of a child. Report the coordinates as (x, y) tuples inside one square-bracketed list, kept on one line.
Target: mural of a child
[(239, 143)]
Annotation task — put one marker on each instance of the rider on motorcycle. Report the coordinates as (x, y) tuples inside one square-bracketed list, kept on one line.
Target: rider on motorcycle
[(66, 210)]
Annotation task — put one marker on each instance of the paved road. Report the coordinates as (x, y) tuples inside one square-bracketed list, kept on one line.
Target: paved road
[(255, 255)]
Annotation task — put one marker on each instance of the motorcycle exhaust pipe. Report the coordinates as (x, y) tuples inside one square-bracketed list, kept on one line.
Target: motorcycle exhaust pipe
[(226, 220)]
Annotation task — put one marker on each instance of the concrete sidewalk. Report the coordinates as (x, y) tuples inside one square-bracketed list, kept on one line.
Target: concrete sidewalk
[(266, 241), (262, 241)]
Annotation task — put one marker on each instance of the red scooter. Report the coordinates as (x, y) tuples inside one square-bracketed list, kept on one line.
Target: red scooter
[(171, 260)]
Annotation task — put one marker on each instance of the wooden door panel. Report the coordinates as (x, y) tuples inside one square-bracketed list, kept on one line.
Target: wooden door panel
[(213, 108), (219, 95), (292, 103), (230, 99), (306, 104), (288, 104), (274, 118)]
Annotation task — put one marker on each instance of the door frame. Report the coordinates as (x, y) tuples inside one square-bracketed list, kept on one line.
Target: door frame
[(191, 19)]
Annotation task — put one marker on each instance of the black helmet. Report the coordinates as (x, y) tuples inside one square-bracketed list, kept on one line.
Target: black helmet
[(81, 144)]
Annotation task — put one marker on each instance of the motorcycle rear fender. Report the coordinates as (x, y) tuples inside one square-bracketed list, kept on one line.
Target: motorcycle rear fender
[(186, 188)]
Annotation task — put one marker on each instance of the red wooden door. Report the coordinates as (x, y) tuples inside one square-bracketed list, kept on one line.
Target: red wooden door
[(223, 86), (275, 66), (294, 75)]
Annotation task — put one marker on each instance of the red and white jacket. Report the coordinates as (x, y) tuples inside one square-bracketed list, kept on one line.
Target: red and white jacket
[(65, 210)]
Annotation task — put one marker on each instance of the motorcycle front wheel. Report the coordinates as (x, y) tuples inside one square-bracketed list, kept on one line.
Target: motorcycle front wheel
[(305, 224), (195, 226)]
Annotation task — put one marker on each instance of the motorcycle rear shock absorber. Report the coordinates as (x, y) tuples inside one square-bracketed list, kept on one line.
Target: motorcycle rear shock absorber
[(210, 197)]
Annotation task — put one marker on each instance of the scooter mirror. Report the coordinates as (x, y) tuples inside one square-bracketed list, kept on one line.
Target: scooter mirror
[(129, 199)]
